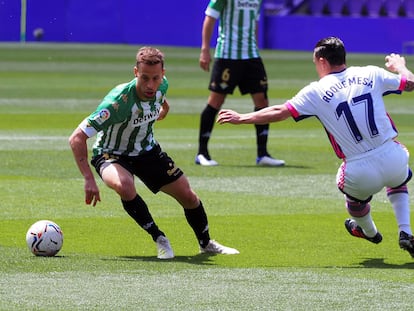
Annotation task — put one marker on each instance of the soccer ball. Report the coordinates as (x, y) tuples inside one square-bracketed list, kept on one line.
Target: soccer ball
[(44, 238)]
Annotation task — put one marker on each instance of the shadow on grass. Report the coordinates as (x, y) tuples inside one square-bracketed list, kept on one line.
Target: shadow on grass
[(200, 259), (255, 166), (379, 263)]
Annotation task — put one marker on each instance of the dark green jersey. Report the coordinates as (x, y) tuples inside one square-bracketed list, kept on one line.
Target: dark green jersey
[(237, 27), (123, 122)]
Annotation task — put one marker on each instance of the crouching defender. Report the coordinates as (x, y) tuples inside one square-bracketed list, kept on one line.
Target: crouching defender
[(125, 147)]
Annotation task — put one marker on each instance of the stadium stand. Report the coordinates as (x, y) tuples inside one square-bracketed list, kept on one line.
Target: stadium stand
[(337, 8), (392, 8), (352, 8), (373, 7), (317, 7), (355, 7), (408, 7)]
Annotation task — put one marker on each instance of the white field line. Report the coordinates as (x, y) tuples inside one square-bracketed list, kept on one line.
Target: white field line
[(33, 142), (31, 137)]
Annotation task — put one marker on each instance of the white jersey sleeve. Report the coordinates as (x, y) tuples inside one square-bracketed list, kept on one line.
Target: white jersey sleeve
[(350, 106), (87, 128)]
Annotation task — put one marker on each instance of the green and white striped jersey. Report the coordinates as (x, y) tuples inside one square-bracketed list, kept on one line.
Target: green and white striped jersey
[(237, 27), (123, 122)]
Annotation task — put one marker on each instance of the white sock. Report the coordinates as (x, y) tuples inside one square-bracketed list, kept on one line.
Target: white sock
[(367, 225), (401, 204)]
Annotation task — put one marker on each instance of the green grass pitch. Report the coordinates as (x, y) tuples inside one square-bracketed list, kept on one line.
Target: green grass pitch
[(287, 222)]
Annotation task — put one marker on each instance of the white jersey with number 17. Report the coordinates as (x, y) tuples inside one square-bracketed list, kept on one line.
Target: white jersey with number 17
[(350, 106)]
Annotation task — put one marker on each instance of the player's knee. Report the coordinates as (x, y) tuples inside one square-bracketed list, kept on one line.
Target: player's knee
[(189, 199), (357, 208), (395, 190), (125, 189)]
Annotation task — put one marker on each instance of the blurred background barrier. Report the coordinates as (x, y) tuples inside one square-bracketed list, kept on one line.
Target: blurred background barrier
[(372, 26)]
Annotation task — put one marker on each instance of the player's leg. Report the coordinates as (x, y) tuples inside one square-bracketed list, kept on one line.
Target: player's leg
[(195, 215), (361, 224), (138, 210), (400, 201), (254, 82), (207, 121), (262, 132), (193, 207), (121, 180), (158, 172), (359, 180), (398, 174), (224, 79)]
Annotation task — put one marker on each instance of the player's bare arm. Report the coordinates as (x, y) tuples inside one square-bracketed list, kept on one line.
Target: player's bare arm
[(165, 107), (208, 28), (79, 147), (270, 114), (396, 63)]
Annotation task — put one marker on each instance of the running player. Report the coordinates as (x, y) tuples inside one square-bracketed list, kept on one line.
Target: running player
[(125, 146), (349, 104)]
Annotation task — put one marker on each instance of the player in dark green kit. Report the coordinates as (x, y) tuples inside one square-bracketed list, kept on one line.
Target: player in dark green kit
[(125, 147)]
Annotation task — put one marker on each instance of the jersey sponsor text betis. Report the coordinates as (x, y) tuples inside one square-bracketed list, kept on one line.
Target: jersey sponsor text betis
[(123, 122), (237, 27)]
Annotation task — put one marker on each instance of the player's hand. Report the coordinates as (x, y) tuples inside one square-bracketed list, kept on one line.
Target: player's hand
[(205, 60), (165, 107), (394, 62), (228, 116), (92, 195)]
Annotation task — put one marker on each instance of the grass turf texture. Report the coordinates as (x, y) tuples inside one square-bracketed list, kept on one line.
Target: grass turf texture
[(287, 222)]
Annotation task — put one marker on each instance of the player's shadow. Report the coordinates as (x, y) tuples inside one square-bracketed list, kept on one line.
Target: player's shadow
[(379, 263), (199, 259), (247, 166)]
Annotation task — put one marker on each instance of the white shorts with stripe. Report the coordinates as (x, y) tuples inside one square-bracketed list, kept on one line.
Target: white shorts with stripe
[(367, 174)]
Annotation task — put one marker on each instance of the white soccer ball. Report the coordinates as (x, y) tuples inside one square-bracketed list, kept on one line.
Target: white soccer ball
[(44, 238)]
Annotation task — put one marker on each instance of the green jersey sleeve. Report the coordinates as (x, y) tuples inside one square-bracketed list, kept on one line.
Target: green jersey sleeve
[(114, 107)]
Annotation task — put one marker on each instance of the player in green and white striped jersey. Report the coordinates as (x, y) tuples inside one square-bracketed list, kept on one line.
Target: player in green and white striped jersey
[(125, 147), (120, 107), (237, 63)]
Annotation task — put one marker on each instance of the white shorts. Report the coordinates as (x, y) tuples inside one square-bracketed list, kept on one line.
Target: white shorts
[(386, 166)]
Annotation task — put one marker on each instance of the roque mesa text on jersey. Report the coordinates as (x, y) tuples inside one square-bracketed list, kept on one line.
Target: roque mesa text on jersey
[(335, 88)]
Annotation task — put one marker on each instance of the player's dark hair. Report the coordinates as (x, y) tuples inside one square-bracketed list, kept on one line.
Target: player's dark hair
[(332, 49), (150, 56)]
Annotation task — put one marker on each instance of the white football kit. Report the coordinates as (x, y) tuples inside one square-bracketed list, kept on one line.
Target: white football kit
[(350, 106)]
